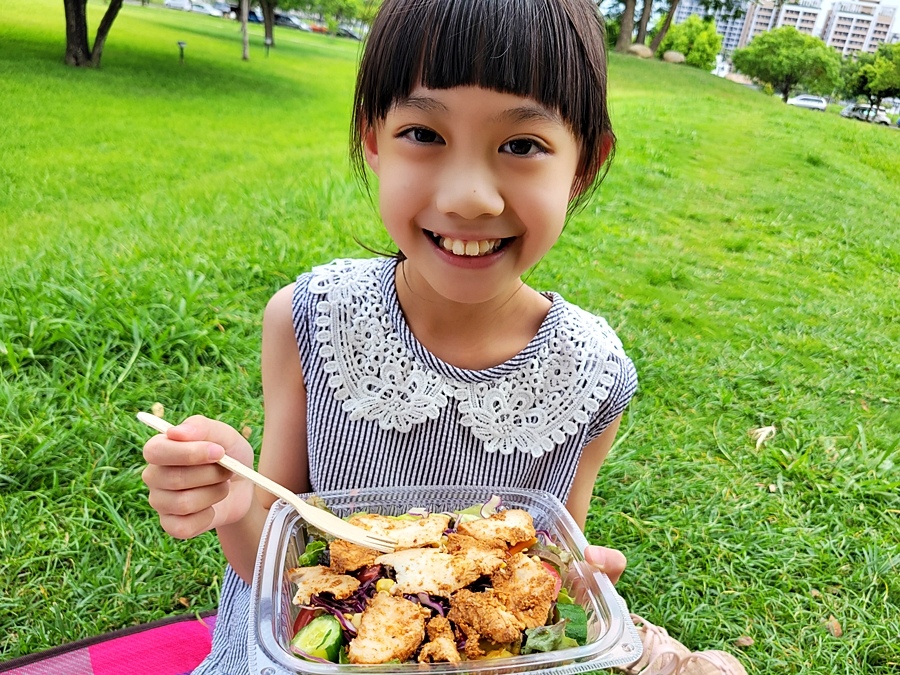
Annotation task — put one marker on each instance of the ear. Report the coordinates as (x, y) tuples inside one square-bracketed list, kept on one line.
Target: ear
[(370, 148), (607, 143)]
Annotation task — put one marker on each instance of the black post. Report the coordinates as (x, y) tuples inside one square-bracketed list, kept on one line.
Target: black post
[(181, 46)]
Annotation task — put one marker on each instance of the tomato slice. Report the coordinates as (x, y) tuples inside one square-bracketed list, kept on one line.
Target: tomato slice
[(550, 568), (306, 615)]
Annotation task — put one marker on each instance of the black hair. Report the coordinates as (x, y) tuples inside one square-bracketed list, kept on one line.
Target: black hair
[(552, 51)]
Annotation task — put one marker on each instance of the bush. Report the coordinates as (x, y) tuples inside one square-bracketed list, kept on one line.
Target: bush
[(696, 39)]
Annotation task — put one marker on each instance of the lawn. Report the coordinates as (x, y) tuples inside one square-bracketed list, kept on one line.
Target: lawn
[(747, 253)]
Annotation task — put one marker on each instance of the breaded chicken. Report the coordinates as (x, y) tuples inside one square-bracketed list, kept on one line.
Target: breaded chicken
[(347, 557), (390, 628), (527, 587), (510, 527), (484, 615), (318, 579), (429, 570), (442, 643), (487, 557), (407, 533)]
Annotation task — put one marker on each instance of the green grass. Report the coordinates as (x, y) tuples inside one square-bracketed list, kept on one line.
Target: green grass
[(747, 253)]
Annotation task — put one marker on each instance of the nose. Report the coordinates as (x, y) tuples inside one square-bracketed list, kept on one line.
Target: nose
[(469, 189)]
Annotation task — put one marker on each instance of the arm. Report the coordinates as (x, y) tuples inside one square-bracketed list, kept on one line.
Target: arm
[(192, 494), (283, 455), (607, 560)]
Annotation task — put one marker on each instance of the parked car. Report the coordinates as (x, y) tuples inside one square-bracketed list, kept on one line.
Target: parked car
[(254, 16), (347, 32), (225, 8), (291, 22), (866, 113), (810, 102), (205, 8), (183, 5)]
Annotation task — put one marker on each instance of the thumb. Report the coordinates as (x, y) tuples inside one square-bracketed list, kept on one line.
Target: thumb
[(607, 560)]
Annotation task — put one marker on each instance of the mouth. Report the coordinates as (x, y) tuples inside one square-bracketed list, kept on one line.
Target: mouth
[(469, 248)]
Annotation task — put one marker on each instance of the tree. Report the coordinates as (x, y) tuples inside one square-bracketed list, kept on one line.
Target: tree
[(876, 77), (697, 40), (785, 58), (78, 52), (646, 13), (729, 9), (626, 26)]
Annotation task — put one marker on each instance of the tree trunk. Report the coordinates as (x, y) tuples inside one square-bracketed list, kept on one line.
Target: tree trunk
[(112, 11), (268, 12), (646, 12), (660, 36), (77, 51), (245, 13), (626, 27)]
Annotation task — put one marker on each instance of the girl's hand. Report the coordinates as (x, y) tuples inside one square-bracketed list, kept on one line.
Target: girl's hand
[(608, 560), (191, 493)]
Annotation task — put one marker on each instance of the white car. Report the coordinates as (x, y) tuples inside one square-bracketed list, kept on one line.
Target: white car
[(183, 5), (205, 8), (810, 102), (866, 113)]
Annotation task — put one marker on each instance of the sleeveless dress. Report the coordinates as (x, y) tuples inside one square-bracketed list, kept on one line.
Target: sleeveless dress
[(383, 411)]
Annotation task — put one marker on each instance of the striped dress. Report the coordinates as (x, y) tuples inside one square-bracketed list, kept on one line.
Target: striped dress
[(382, 411)]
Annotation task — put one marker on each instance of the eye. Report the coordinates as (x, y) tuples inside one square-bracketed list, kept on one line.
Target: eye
[(522, 147), (422, 135)]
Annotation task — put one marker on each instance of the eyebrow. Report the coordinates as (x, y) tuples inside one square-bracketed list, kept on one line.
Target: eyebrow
[(524, 113)]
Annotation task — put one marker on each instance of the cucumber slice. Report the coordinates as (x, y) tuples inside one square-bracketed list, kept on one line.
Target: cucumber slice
[(321, 637)]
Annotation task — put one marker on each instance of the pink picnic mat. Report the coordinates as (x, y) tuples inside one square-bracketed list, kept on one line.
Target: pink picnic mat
[(172, 646)]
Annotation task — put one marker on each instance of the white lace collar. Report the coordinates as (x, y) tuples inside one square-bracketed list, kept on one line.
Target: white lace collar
[(530, 404)]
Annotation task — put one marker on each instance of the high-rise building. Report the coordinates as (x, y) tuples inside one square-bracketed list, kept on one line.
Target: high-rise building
[(852, 27), (726, 26), (765, 15)]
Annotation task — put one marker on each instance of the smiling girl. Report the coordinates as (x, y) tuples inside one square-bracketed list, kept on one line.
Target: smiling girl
[(485, 123)]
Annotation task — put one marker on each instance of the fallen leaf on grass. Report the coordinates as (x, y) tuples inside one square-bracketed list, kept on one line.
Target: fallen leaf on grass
[(761, 435), (864, 404), (773, 488), (816, 593), (743, 641), (834, 626), (184, 601), (246, 431), (158, 409)]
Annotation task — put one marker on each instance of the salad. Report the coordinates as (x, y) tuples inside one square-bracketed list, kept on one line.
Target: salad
[(472, 584)]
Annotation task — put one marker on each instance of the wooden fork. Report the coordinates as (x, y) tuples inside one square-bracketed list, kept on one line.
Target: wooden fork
[(323, 520)]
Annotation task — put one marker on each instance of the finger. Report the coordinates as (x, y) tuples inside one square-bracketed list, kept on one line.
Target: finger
[(608, 560), (182, 477), (185, 527), (187, 502), (163, 451), (200, 428)]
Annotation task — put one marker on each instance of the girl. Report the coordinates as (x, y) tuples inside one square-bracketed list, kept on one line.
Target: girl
[(485, 122)]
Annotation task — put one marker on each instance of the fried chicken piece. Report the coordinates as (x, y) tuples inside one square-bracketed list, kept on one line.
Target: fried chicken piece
[(429, 570), (483, 614), (319, 579), (509, 527), (407, 533), (527, 587), (487, 557), (390, 628), (442, 643), (347, 557)]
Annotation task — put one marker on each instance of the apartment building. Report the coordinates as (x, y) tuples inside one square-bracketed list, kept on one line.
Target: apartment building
[(852, 27), (729, 28), (765, 15)]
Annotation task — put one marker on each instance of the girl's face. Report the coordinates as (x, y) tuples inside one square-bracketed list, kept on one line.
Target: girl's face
[(473, 188)]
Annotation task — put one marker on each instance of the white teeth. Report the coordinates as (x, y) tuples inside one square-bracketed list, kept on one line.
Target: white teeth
[(470, 248)]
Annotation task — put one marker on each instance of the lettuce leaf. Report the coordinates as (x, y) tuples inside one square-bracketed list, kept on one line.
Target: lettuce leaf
[(547, 638), (312, 554)]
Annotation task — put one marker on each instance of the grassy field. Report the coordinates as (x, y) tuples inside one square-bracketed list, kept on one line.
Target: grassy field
[(747, 253)]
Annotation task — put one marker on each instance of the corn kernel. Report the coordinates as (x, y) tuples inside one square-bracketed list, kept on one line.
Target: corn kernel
[(384, 585)]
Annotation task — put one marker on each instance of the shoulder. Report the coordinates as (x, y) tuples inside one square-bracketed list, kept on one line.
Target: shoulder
[(589, 332)]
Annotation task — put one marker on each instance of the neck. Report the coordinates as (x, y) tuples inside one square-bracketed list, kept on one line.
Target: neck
[(473, 336)]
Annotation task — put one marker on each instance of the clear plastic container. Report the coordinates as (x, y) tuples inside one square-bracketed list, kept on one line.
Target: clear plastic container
[(612, 637)]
